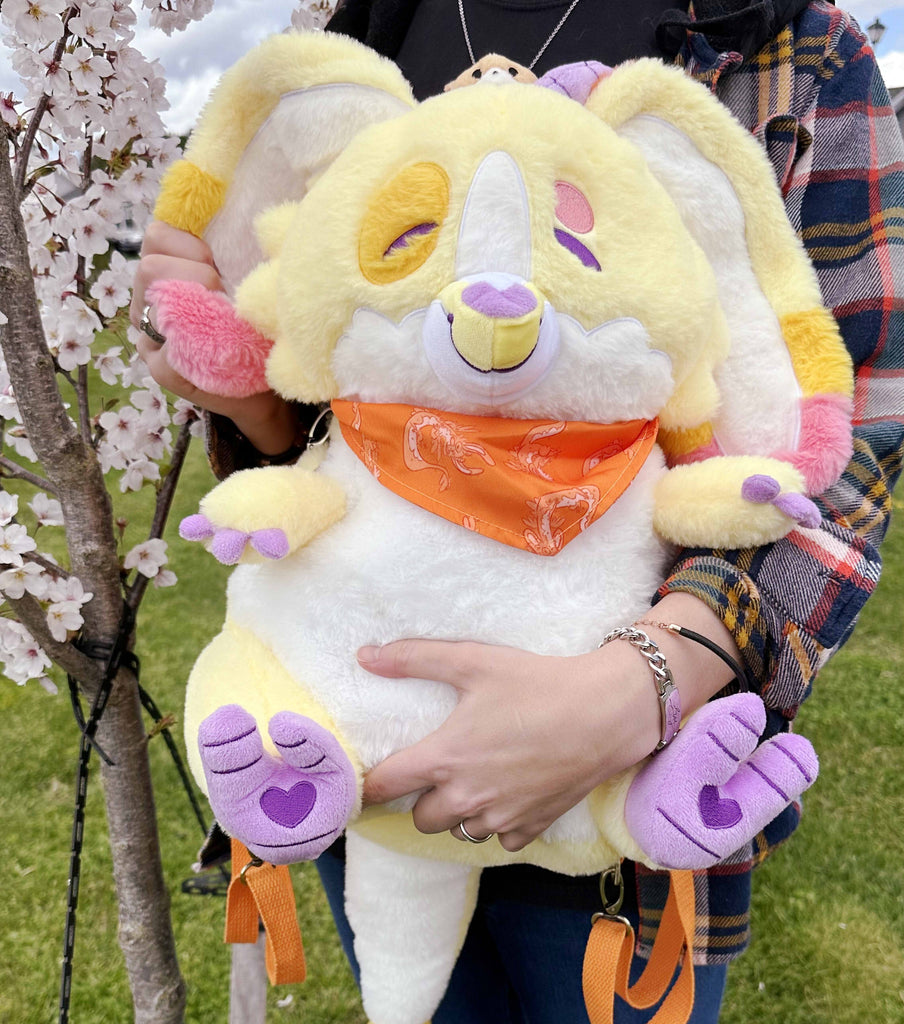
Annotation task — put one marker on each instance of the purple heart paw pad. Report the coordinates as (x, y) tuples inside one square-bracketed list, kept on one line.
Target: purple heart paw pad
[(717, 811), (289, 807)]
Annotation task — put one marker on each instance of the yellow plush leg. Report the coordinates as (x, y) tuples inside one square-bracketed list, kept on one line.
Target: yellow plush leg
[(237, 668)]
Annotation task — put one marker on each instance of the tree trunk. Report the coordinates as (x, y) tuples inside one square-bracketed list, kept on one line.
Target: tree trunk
[(145, 930)]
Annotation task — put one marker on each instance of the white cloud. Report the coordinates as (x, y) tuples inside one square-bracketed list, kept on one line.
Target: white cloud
[(892, 67), (866, 10), (194, 59)]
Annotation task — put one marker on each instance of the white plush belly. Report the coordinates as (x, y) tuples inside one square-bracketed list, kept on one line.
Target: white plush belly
[(390, 570)]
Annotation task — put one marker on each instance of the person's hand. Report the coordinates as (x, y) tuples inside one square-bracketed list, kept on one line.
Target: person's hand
[(532, 735), (265, 419), (529, 738)]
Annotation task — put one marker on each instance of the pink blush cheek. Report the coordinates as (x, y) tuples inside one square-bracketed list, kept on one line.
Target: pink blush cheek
[(572, 208)]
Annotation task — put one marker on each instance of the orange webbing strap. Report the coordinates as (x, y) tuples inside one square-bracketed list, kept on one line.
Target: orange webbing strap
[(607, 962), (264, 892)]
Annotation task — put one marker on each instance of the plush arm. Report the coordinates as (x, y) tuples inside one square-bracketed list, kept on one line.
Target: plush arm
[(792, 604), (266, 513)]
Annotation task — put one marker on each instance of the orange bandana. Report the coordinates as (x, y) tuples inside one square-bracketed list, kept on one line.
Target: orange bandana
[(532, 484)]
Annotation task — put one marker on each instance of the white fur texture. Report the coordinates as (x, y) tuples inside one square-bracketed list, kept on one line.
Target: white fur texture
[(621, 378), (406, 913), (404, 572), (303, 135), (757, 381), (495, 226)]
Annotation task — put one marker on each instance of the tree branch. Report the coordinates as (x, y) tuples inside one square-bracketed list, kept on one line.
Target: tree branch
[(162, 510), (45, 563), (66, 655), (10, 468), (37, 116), (84, 414)]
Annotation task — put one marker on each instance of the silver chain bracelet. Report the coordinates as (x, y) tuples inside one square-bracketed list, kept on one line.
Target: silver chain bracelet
[(666, 690)]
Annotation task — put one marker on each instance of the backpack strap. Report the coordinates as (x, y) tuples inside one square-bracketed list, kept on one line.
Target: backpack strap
[(607, 961), (258, 893)]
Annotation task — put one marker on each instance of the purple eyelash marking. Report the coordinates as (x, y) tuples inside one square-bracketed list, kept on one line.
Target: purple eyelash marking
[(402, 241), (577, 248)]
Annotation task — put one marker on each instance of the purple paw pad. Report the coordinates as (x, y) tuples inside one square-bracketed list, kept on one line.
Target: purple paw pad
[(227, 546), (799, 508), (760, 489), (717, 811), (289, 807), (196, 527), (271, 543)]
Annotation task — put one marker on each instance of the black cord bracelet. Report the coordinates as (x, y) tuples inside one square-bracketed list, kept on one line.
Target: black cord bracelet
[(704, 641)]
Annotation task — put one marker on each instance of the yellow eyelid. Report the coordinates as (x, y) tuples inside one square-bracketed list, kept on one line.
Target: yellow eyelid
[(418, 195)]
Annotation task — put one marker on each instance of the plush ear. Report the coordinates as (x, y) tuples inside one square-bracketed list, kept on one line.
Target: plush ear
[(276, 120), (785, 387)]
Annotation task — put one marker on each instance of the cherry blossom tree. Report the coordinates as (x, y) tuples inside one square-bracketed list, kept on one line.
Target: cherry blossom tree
[(79, 414)]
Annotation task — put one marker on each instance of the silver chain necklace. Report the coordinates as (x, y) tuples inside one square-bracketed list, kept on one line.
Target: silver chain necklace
[(540, 52)]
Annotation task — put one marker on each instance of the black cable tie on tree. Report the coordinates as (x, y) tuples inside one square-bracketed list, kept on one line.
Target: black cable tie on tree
[(117, 654)]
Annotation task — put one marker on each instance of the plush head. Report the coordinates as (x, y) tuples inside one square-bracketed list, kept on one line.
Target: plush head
[(514, 252), (492, 68)]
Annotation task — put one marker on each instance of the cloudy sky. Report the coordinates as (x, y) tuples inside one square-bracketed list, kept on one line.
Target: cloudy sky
[(194, 59)]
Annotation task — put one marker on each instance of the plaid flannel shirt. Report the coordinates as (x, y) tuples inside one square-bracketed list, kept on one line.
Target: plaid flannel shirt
[(815, 99)]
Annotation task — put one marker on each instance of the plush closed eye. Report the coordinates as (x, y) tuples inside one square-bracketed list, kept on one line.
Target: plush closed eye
[(402, 241), (577, 248), (401, 226)]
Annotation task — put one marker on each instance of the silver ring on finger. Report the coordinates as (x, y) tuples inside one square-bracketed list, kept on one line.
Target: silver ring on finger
[(473, 839), (144, 324)]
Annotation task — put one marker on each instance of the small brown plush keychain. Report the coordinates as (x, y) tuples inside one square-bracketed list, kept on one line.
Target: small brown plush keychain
[(492, 66)]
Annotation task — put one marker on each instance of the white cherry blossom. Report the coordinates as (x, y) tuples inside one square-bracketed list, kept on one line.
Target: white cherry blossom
[(109, 365), (165, 578), (9, 506), (69, 588), (14, 541), (93, 24), (63, 617), (48, 511), (87, 69), (29, 577), (147, 557), (8, 113), (121, 426), (35, 21), (137, 472)]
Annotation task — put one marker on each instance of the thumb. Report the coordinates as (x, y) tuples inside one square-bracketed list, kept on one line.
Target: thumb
[(407, 771)]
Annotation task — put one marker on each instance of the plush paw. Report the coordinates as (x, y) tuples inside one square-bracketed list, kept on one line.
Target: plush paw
[(713, 789), (228, 545), (207, 342), (285, 808), (766, 490)]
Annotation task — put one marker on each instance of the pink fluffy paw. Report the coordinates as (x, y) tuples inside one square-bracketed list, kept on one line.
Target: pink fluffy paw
[(207, 341), (766, 490), (227, 545), (285, 808), (713, 789)]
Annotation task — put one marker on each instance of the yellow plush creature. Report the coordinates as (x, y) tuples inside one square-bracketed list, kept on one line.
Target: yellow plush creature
[(499, 258)]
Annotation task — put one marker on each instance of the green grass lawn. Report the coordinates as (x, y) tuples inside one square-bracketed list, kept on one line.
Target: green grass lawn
[(828, 909)]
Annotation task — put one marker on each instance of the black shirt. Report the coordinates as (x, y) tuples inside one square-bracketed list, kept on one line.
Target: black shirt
[(605, 30)]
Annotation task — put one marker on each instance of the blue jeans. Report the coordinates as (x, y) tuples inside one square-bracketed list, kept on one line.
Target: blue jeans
[(521, 961)]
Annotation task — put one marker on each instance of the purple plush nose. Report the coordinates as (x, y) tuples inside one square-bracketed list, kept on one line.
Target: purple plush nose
[(512, 302)]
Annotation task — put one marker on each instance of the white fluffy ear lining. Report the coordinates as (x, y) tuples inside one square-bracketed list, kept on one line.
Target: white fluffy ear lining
[(304, 133), (783, 389), (757, 383)]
